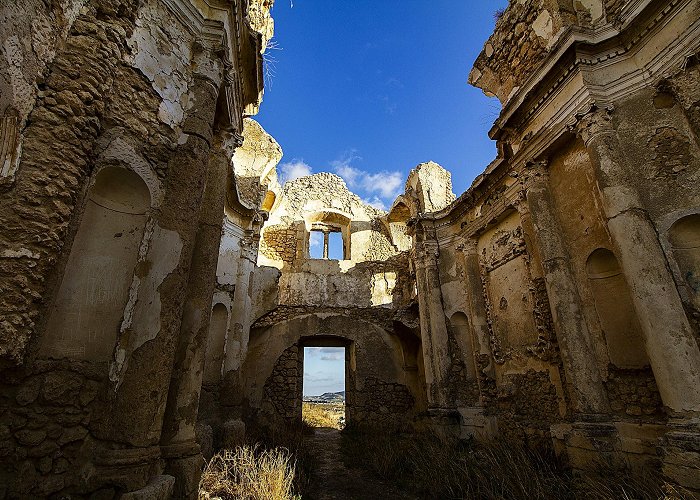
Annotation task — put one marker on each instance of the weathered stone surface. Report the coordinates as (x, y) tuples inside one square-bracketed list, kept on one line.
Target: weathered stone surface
[(160, 488), (158, 288), (233, 434), (108, 114)]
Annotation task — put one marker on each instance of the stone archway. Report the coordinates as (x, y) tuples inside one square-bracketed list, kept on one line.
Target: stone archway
[(380, 387)]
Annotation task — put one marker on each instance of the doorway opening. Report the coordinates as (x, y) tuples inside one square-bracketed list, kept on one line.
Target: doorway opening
[(323, 389)]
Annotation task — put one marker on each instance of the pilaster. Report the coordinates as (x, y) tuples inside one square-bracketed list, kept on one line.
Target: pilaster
[(583, 378), (435, 341), (668, 336)]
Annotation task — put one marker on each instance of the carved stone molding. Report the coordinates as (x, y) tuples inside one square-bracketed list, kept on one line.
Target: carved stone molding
[(519, 202), (593, 123), (535, 173), (469, 246), (248, 246), (426, 255)]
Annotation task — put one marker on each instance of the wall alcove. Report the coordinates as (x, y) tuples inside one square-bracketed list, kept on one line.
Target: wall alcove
[(613, 304), (85, 317)]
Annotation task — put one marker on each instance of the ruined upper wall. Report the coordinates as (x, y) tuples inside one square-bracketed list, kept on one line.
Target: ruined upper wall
[(525, 33), (254, 165), (322, 198), (429, 185), (29, 35), (260, 19)]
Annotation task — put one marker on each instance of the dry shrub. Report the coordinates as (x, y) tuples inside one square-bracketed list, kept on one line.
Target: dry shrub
[(248, 473), (323, 415), (290, 436)]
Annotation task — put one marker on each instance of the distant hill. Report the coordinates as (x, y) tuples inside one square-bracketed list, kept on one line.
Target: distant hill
[(328, 397)]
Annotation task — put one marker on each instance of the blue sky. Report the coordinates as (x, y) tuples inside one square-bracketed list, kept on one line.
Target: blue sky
[(324, 370), (370, 88)]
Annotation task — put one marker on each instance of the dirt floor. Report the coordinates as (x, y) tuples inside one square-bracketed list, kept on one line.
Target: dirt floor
[(332, 480)]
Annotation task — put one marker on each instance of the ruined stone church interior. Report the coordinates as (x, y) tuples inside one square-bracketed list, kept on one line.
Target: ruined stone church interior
[(157, 288)]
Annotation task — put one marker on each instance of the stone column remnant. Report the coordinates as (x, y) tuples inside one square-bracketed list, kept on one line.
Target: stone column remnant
[(325, 244), (668, 337), (582, 374), (672, 350), (145, 353), (433, 326), (178, 442), (239, 331)]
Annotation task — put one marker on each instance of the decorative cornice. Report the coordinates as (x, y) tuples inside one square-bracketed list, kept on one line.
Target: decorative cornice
[(575, 41)]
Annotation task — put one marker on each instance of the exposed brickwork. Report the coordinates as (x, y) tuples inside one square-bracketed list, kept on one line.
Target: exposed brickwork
[(282, 387), (381, 403), (633, 393)]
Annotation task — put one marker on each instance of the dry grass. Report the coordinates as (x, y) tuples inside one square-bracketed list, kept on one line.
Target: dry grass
[(289, 437), (249, 473), (430, 467), (323, 415)]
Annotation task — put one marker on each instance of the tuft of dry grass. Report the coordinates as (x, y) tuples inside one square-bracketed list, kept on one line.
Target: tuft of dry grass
[(323, 415), (249, 473), (289, 437)]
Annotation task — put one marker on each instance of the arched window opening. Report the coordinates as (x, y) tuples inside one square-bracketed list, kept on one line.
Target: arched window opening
[(613, 304), (459, 326), (85, 318), (215, 344), (328, 236), (684, 236), (398, 218)]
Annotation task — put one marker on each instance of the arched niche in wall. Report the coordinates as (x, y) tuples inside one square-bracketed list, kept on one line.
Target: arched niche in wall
[(459, 326), (215, 344), (684, 237), (613, 304), (397, 219), (86, 314)]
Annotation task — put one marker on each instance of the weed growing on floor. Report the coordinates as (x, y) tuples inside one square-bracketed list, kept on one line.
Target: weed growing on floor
[(425, 465), (249, 473)]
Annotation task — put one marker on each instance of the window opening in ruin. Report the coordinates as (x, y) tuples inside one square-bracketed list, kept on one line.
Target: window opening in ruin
[(326, 243), (316, 244), (324, 387), (335, 246)]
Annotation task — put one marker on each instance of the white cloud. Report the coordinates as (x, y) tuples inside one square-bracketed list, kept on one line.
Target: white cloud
[(386, 185), (375, 202), (327, 353), (294, 169), (315, 239), (332, 353), (333, 357)]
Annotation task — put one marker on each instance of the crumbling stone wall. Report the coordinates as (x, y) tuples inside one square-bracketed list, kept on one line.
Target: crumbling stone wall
[(118, 89), (633, 393), (380, 387), (282, 388), (381, 403), (518, 45), (279, 243), (572, 230), (527, 404), (45, 425)]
